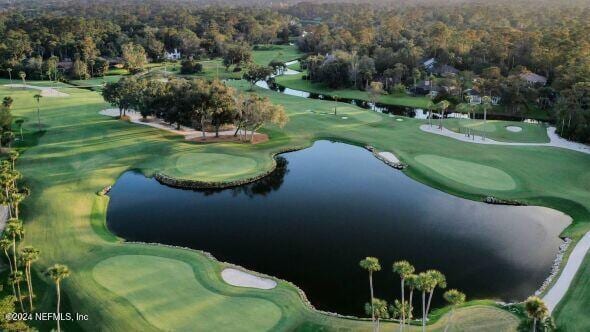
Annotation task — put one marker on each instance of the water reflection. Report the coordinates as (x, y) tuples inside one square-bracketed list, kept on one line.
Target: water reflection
[(327, 207)]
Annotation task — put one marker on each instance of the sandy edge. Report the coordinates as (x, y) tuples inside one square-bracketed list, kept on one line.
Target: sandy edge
[(240, 278), (45, 91), (389, 157)]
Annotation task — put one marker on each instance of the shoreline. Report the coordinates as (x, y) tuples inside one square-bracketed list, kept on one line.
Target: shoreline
[(546, 286)]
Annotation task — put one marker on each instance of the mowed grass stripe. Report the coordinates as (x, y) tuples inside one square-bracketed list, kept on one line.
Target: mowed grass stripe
[(468, 173), (82, 152), (167, 294)]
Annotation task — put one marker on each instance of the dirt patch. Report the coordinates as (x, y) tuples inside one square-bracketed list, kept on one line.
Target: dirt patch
[(258, 138)]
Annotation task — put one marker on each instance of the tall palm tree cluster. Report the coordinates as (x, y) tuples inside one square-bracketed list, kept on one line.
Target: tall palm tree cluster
[(20, 262), (423, 282)]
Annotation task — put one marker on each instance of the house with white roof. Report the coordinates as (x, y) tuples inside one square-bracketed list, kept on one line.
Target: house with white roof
[(172, 55), (533, 79)]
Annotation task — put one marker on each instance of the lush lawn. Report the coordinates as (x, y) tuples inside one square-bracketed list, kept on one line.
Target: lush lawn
[(264, 54), (81, 152), (468, 173), (295, 82), (154, 279), (96, 83), (497, 130)]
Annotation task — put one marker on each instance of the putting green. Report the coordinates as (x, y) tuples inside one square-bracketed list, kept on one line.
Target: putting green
[(199, 165), (468, 173), (489, 127), (167, 294)]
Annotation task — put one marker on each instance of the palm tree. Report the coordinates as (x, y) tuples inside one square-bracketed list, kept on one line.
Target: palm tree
[(371, 264), (14, 228), (16, 278), (442, 107), (23, 76), (9, 70), (16, 198), (439, 281), (454, 298), (58, 272), (378, 308), (91, 62), (536, 309), (486, 102), (412, 283), (13, 156), (425, 283), (5, 244), (404, 269), (38, 98), (20, 122), (29, 255)]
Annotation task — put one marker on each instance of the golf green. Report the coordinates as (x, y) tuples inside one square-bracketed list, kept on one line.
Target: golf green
[(166, 292), (468, 173), (198, 165)]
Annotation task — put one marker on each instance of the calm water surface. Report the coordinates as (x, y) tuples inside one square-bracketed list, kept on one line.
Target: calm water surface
[(327, 207)]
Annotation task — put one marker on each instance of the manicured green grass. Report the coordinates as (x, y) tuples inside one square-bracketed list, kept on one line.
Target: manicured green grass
[(497, 130), (96, 82), (264, 54), (153, 279), (295, 82), (468, 173), (572, 311), (82, 151)]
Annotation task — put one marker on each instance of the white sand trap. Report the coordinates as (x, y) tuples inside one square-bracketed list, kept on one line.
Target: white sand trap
[(45, 91), (398, 119), (344, 118), (389, 157), (239, 278), (514, 129)]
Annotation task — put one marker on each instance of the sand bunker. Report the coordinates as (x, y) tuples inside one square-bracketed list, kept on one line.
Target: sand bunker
[(45, 91), (514, 129), (389, 157), (239, 278)]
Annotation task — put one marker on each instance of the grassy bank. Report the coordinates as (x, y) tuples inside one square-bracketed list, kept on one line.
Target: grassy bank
[(499, 130), (295, 82), (81, 152)]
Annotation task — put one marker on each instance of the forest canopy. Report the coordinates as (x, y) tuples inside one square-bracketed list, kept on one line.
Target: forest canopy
[(528, 55)]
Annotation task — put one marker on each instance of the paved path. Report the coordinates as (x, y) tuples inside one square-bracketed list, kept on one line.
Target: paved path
[(555, 140), (556, 293)]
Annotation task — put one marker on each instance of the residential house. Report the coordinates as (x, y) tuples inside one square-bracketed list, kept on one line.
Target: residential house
[(533, 79), (175, 55), (426, 87)]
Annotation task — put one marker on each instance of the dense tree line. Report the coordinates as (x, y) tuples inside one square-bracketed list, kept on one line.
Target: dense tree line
[(196, 103), (491, 45), (37, 37)]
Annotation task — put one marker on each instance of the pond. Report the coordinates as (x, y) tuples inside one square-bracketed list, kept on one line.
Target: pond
[(325, 208)]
